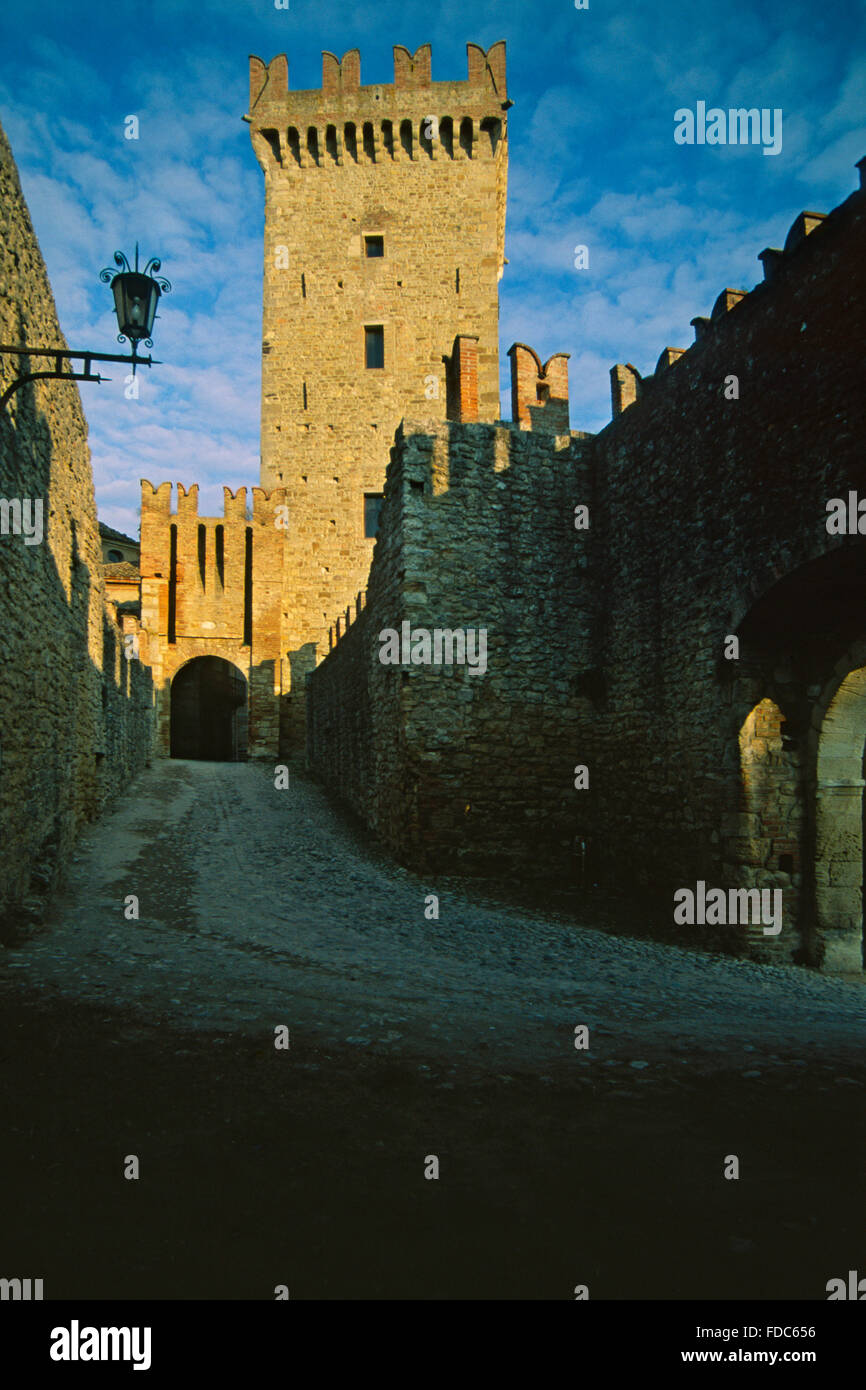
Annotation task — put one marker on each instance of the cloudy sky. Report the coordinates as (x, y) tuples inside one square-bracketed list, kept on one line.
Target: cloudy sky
[(593, 162)]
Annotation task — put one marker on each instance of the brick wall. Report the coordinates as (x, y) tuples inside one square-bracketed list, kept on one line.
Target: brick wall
[(76, 715), (206, 581)]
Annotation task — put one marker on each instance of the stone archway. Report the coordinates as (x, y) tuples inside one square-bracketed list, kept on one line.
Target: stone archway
[(765, 852), (209, 711), (839, 871), (803, 643)]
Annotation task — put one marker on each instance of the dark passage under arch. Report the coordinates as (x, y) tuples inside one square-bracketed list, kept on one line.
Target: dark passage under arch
[(209, 711)]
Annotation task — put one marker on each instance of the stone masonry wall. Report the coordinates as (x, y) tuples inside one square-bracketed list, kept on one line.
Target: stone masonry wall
[(706, 499), (76, 714), (456, 769), (709, 520)]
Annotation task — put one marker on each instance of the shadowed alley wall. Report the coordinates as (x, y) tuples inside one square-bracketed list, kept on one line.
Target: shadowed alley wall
[(76, 714)]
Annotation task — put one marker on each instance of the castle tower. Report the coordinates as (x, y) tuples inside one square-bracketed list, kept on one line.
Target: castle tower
[(384, 242)]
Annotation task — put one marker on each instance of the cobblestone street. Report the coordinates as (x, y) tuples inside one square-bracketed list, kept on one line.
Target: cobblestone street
[(409, 1037)]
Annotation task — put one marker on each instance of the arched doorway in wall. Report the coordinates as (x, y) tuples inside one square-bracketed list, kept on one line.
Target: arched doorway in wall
[(839, 820), (209, 711), (804, 640), (766, 849)]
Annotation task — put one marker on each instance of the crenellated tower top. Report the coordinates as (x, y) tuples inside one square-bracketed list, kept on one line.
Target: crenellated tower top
[(414, 119), (341, 81)]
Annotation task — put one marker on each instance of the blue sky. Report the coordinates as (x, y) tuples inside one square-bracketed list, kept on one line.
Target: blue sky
[(593, 161)]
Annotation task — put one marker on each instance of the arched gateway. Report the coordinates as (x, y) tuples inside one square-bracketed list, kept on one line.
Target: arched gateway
[(209, 711)]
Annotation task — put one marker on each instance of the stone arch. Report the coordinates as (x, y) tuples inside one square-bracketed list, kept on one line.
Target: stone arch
[(839, 810), (773, 566), (803, 643), (209, 710), (764, 845)]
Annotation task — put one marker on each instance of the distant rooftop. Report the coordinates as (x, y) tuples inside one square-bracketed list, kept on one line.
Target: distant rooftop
[(121, 570), (110, 534)]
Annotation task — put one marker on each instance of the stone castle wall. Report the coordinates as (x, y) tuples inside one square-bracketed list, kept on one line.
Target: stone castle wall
[(452, 768), (709, 520), (707, 506), (76, 715)]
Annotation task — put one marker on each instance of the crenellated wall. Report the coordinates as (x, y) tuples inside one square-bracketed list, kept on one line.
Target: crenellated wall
[(667, 609), (457, 768), (709, 522), (213, 586), (539, 394)]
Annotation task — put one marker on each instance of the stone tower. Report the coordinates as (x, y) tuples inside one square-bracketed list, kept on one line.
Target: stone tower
[(384, 243)]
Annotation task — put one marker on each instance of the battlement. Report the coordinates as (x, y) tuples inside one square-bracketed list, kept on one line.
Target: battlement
[(539, 394), (461, 378), (341, 77), (805, 240), (449, 478), (343, 122), (156, 501)]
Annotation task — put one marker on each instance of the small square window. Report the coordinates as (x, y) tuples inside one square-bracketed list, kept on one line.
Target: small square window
[(374, 346), (372, 511), (374, 246)]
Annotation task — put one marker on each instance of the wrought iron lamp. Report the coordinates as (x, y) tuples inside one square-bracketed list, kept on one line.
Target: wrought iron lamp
[(136, 295)]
